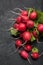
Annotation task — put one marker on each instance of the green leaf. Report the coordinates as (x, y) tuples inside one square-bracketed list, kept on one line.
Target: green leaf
[(13, 31), (33, 38), (29, 11), (35, 24), (34, 49), (39, 17), (37, 32), (31, 30)]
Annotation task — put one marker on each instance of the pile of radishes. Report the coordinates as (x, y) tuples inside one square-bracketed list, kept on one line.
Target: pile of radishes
[(26, 29)]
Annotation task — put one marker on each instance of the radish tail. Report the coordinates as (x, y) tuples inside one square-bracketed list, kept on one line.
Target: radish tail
[(12, 19), (29, 61), (14, 12), (41, 54), (9, 29), (24, 43), (25, 7), (39, 41), (18, 9), (16, 50)]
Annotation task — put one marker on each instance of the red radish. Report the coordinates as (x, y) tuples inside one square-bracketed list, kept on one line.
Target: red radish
[(18, 19), (33, 15), (40, 28), (18, 43), (24, 19), (35, 55), (24, 13), (15, 25), (30, 24), (35, 34), (22, 27), (26, 36), (24, 55), (28, 47)]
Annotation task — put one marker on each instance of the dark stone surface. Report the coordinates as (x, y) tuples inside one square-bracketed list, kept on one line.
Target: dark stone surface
[(7, 44)]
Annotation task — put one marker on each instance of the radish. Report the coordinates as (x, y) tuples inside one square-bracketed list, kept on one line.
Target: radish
[(15, 25), (26, 36), (23, 12), (18, 19), (22, 27), (40, 28), (36, 36), (24, 55), (18, 43), (25, 19), (33, 15), (28, 47), (36, 55), (30, 24)]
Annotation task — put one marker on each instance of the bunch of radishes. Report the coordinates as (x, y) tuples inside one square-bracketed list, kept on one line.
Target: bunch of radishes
[(26, 29)]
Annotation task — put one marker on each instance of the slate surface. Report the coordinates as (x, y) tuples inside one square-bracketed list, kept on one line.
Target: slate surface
[(7, 44)]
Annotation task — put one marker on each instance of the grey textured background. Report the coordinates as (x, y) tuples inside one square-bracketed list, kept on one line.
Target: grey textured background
[(7, 44)]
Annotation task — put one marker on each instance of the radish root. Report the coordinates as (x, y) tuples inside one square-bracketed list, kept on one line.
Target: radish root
[(18, 9), (29, 61), (12, 19), (14, 12), (38, 41), (41, 54)]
